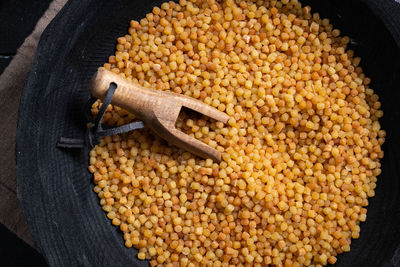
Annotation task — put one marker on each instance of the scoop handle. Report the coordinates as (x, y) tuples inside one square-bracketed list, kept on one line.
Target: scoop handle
[(130, 96)]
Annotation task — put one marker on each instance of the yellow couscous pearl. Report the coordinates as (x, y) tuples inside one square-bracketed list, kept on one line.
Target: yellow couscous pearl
[(300, 152)]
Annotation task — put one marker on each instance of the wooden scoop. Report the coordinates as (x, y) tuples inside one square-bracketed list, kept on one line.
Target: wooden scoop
[(158, 109)]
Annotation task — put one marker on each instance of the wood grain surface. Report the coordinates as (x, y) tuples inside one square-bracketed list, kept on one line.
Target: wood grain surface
[(159, 110)]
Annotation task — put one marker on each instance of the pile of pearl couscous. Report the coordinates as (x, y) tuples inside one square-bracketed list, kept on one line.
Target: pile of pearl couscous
[(300, 152)]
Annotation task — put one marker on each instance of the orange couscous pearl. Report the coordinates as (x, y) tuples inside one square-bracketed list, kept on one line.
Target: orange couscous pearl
[(300, 152)]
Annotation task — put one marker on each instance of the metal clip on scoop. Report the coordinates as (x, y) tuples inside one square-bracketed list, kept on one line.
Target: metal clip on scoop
[(158, 109)]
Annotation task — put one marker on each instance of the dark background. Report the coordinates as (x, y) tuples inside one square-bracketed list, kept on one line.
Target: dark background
[(18, 19)]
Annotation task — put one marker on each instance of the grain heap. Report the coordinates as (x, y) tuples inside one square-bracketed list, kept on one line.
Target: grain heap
[(300, 152)]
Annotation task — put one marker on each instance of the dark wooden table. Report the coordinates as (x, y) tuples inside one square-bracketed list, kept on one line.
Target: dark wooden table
[(18, 19)]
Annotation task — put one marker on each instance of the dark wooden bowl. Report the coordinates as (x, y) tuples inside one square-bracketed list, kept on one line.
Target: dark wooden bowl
[(55, 188)]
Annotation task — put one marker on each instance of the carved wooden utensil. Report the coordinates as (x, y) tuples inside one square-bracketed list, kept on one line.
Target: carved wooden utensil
[(158, 109)]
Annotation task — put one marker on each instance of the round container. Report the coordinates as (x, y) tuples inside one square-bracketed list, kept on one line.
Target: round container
[(55, 188)]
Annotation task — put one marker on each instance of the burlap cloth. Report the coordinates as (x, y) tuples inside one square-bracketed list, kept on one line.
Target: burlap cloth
[(11, 84)]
